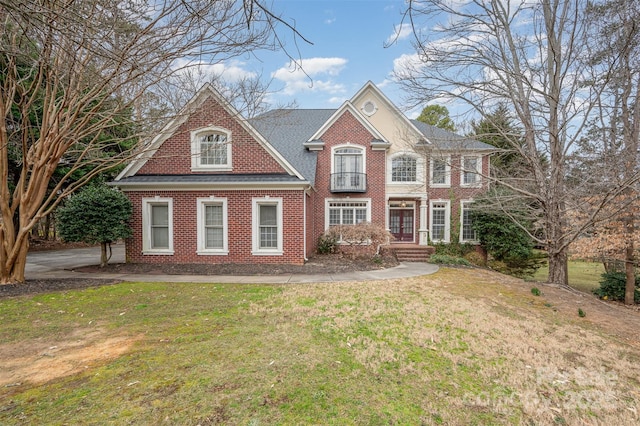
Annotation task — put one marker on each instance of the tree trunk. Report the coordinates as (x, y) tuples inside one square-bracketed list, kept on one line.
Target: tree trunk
[(629, 268), (103, 255), (13, 271), (558, 267)]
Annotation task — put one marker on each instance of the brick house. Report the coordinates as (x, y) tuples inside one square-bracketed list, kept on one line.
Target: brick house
[(214, 187)]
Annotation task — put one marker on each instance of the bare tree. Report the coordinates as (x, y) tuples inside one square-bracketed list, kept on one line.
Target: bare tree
[(615, 57), (72, 70), (530, 57)]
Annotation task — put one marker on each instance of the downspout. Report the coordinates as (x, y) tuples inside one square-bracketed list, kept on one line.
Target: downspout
[(306, 193), (304, 224)]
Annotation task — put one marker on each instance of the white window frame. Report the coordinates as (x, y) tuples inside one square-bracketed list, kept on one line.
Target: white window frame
[(329, 201), (196, 136), (477, 172), (447, 220), (447, 172), (147, 204), (369, 107), (419, 168), (255, 215), (202, 204), (363, 151), (463, 208)]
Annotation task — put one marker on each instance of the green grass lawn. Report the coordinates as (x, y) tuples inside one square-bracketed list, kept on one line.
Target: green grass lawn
[(584, 276), (414, 351)]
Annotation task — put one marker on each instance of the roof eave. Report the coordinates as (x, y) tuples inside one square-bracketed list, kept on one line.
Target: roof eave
[(199, 186)]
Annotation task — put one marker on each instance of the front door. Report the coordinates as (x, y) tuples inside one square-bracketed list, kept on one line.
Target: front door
[(401, 224)]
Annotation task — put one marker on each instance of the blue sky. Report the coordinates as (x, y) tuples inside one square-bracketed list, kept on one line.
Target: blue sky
[(348, 50)]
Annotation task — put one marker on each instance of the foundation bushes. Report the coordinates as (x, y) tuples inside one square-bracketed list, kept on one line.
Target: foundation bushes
[(360, 240)]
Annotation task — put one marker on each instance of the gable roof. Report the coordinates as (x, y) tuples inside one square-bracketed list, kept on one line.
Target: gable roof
[(369, 86), (288, 129), (347, 106), (207, 91), (284, 132)]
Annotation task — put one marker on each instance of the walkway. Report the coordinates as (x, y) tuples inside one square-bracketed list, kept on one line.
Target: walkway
[(61, 264)]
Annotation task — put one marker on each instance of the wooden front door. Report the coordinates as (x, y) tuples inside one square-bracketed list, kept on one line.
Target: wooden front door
[(401, 224)]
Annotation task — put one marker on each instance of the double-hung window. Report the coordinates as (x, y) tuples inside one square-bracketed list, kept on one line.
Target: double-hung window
[(212, 226), (470, 174), (440, 171), (157, 225), (467, 233), (439, 219), (211, 149), (267, 226)]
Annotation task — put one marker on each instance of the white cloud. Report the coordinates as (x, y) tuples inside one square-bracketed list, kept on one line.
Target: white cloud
[(312, 74), (337, 100), (407, 64), (400, 32)]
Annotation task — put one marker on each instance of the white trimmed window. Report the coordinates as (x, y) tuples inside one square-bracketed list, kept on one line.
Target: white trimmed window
[(347, 212), (348, 168), (467, 233), (267, 226), (211, 149), (404, 169), (440, 172), (212, 226), (471, 169), (439, 218), (157, 226)]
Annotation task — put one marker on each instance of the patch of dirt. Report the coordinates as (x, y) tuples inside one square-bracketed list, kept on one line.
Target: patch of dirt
[(52, 284), (40, 362)]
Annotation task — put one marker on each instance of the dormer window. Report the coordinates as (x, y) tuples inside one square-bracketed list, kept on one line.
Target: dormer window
[(211, 149)]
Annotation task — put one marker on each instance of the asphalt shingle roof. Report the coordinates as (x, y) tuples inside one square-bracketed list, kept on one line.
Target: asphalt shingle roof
[(446, 140), (288, 129)]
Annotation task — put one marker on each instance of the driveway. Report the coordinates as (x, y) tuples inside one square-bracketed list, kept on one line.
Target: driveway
[(41, 262)]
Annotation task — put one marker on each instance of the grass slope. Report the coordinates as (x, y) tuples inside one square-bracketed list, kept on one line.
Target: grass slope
[(584, 276), (456, 347)]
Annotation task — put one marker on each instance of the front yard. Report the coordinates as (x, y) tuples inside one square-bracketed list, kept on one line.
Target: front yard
[(462, 346)]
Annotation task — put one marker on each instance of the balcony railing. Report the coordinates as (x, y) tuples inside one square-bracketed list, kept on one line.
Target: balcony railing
[(348, 182)]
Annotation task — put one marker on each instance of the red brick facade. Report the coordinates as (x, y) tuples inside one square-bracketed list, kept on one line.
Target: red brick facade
[(348, 130), (303, 206), (239, 227), (248, 156)]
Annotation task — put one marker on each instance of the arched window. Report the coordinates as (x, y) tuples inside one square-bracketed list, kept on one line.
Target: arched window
[(211, 149), (348, 169)]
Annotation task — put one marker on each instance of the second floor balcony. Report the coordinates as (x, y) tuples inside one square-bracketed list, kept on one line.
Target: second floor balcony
[(348, 182)]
